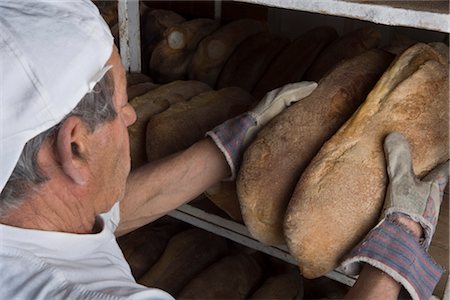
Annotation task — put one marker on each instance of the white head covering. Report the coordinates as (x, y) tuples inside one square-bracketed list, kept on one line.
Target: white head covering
[(51, 54)]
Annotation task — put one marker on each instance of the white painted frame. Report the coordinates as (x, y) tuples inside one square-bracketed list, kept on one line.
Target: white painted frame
[(380, 14), (129, 34)]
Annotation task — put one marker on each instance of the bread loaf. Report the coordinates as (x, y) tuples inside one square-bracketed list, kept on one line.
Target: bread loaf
[(283, 286), (136, 78), (346, 46), (224, 196), (172, 56), (143, 247), (186, 255), (155, 22), (154, 102), (214, 50), (139, 89), (274, 162), (339, 197), (324, 288), (184, 123), (291, 64), (233, 277), (250, 60)]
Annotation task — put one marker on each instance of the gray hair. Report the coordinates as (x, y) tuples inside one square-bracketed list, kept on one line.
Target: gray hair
[(94, 109)]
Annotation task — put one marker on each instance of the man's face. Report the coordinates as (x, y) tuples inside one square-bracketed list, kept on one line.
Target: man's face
[(112, 153)]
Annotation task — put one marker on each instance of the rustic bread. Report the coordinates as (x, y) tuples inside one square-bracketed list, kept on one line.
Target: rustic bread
[(172, 56), (154, 102), (136, 78), (250, 60), (214, 50), (284, 286), (339, 196), (187, 254), (232, 277), (324, 288), (140, 89), (155, 22), (291, 63), (274, 162), (143, 247), (346, 46), (184, 123), (224, 196)]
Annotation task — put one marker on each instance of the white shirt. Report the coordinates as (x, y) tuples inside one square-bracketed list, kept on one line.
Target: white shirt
[(37, 264)]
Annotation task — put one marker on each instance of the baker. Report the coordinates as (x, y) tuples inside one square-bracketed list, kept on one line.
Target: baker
[(65, 181)]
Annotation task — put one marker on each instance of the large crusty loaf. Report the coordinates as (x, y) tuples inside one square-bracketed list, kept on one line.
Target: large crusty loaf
[(143, 247), (224, 196), (172, 56), (214, 50), (324, 288), (284, 286), (140, 89), (232, 277), (154, 102), (339, 196), (155, 22), (346, 46), (136, 78), (291, 63), (185, 123), (250, 60), (274, 162), (186, 255)]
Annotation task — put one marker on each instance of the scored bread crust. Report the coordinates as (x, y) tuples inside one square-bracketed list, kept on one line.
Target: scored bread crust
[(154, 102), (274, 162), (214, 50), (292, 62), (339, 196), (346, 46), (171, 57), (250, 60), (185, 123)]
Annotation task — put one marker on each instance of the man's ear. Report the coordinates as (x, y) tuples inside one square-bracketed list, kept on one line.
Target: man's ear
[(72, 145)]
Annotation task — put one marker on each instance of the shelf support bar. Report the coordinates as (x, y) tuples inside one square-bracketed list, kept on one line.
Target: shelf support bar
[(129, 37)]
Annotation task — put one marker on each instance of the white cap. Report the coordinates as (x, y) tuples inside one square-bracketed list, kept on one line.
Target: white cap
[(51, 54)]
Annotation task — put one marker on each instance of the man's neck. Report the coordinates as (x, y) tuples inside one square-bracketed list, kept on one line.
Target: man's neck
[(52, 211)]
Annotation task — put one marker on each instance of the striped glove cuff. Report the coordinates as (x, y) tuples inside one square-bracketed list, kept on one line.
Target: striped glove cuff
[(230, 137), (390, 248)]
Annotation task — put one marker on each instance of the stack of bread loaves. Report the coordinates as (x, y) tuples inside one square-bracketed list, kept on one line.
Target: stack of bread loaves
[(339, 196)]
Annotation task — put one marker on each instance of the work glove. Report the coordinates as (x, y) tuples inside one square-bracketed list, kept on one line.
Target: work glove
[(390, 247), (418, 199), (233, 136)]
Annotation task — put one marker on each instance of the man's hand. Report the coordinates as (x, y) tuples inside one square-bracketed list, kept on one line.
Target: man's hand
[(393, 245), (275, 101), (406, 194), (234, 135)]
